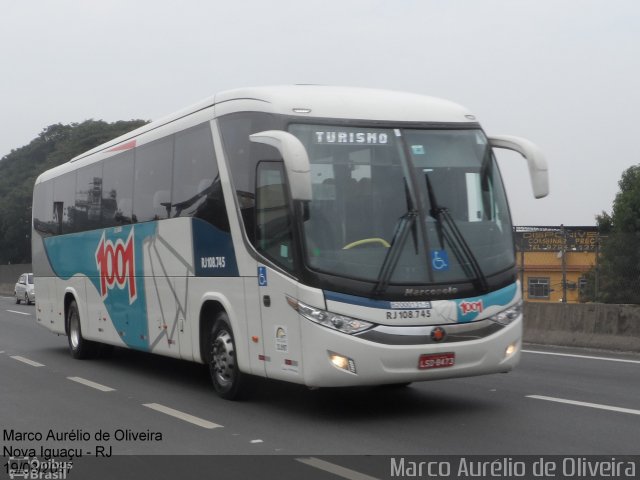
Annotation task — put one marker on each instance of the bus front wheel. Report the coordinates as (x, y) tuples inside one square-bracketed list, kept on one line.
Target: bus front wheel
[(223, 365)]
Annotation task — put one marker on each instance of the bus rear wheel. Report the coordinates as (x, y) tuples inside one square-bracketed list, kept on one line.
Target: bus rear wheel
[(223, 365), (78, 346)]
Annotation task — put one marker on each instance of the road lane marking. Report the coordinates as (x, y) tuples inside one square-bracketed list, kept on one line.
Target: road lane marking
[(335, 469), (586, 404), (27, 361), (89, 383), (19, 313), (607, 359), (182, 416)]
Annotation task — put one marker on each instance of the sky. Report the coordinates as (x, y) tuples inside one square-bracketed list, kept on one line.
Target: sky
[(564, 74)]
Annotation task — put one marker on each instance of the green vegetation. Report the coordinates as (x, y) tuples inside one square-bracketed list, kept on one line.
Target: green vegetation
[(55, 145), (616, 279)]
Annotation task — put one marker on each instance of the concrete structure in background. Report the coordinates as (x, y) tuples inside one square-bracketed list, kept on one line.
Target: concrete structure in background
[(552, 261), (587, 325)]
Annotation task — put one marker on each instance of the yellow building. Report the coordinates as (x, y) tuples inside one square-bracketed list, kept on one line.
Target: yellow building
[(552, 261)]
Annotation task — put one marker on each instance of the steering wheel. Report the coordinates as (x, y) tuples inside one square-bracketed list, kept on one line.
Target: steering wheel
[(365, 241)]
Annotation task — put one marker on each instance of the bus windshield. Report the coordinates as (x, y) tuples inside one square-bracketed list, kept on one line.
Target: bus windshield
[(405, 206)]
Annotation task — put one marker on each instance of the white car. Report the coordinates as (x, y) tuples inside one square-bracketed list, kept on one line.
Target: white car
[(24, 290)]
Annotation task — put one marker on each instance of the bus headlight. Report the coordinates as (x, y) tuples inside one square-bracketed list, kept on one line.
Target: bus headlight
[(341, 323), (505, 317)]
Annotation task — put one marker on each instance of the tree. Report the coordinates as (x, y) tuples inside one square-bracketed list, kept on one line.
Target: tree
[(619, 263), (19, 169)]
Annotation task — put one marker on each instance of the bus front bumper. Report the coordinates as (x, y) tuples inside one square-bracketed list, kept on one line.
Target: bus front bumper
[(334, 359)]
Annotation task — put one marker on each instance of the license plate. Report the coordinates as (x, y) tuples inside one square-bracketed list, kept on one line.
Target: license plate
[(436, 360)]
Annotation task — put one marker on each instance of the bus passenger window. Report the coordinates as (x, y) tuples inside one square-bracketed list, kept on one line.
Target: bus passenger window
[(152, 179), (117, 190), (64, 197)]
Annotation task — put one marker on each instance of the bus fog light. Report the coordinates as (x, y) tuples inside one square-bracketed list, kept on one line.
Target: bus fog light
[(511, 349), (342, 362)]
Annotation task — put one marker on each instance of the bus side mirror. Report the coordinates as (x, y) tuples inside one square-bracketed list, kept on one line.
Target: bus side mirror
[(538, 169), (296, 160)]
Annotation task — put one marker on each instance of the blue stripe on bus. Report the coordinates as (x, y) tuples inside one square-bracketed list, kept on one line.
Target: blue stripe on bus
[(354, 300), (77, 254), (468, 309), (213, 252)]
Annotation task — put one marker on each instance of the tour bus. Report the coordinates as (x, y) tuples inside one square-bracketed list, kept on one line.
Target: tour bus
[(319, 235)]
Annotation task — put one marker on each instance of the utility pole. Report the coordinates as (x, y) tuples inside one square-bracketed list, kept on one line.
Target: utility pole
[(564, 264), (597, 286)]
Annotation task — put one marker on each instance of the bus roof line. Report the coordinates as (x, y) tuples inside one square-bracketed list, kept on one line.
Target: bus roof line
[(154, 125)]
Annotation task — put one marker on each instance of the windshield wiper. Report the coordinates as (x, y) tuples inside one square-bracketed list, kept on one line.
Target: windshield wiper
[(395, 250), (455, 239)]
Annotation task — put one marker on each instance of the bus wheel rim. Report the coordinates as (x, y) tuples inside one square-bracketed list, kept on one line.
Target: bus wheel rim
[(75, 334), (223, 359)]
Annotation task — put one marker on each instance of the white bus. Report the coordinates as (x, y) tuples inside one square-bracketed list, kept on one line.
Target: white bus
[(319, 235)]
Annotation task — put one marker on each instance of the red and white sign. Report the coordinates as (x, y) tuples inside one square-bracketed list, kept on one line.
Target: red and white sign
[(116, 265), (471, 307)]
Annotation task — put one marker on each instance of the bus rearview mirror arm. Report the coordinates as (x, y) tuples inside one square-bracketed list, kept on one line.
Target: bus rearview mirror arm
[(296, 160), (538, 169)]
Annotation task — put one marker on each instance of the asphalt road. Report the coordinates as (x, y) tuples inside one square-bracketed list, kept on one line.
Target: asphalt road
[(557, 402)]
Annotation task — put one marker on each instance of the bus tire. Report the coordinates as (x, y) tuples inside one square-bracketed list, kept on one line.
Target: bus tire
[(223, 365), (78, 347)]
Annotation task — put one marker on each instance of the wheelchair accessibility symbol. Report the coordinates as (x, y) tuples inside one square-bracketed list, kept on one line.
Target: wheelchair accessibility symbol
[(439, 260), (262, 276)]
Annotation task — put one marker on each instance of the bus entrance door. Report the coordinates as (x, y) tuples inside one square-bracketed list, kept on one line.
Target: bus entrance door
[(280, 326)]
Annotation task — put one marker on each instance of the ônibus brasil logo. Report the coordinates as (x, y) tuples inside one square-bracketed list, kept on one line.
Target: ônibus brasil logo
[(116, 266)]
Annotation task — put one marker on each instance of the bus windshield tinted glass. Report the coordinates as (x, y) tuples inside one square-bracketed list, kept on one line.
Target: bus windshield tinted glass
[(365, 180)]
